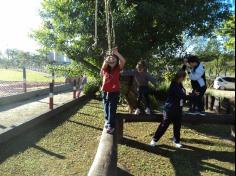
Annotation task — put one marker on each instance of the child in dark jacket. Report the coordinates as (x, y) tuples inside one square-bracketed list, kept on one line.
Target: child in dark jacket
[(110, 72), (173, 110), (142, 78)]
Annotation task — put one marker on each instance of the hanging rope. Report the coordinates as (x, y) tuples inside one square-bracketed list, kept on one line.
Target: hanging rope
[(113, 30), (94, 48), (109, 26), (111, 37), (96, 25)]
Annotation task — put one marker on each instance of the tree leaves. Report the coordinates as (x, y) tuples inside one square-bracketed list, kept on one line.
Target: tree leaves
[(143, 27)]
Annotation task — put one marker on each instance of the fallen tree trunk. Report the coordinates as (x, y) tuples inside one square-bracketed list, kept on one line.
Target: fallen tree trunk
[(105, 162), (210, 118)]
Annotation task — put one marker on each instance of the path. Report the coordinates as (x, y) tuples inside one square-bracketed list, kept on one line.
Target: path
[(15, 114)]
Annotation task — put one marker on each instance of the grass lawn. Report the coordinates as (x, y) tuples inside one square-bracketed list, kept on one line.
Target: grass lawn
[(32, 76), (66, 145)]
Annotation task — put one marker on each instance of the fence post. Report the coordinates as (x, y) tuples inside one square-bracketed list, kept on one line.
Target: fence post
[(74, 89), (80, 86), (206, 102), (120, 128), (212, 103), (217, 105), (51, 96), (53, 77), (24, 80)]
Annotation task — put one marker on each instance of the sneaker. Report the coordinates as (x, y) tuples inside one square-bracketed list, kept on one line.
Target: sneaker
[(110, 130), (137, 112), (201, 113), (178, 145), (106, 125), (153, 143), (192, 112), (148, 111)]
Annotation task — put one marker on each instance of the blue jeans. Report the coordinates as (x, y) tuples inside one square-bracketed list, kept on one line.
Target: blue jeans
[(110, 101)]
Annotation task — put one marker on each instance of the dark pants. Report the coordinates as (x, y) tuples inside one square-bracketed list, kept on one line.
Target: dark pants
[(168, 118), (143, 92), (110, 101), (197, 102)]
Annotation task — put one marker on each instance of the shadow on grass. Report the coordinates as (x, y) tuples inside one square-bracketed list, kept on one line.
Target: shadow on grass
[(121, 172), (188, 160), (202, 142), (219, 131), (82, 124), (29, 139), (48, 152), (85, 114)]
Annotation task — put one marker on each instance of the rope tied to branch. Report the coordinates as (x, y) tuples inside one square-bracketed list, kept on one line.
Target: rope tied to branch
[(110, 26)]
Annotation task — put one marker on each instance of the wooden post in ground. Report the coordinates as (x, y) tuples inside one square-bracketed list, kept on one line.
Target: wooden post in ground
[(206, 102), (212, 102), (51, 96), (53, 77), (74, 89), (24, 80), (217, 105), (120, 128)]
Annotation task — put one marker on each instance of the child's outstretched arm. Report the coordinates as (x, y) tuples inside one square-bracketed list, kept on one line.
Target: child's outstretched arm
[(121, 58)]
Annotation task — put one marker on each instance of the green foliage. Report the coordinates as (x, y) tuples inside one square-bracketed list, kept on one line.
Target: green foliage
[(228, 31), (219, 61), (67, 71), (91, 87), (168, 75), (143, 28)]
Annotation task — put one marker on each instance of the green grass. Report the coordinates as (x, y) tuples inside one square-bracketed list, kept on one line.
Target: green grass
[(32, 76), (205, 152), (59, 147), (66, 145)]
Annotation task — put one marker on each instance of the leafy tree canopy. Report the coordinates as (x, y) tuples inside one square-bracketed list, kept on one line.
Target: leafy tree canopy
[(143, 27), (228, 31)]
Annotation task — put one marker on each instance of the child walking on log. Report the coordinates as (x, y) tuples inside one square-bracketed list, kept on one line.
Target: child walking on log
[(173, 110), (111, 68), (142, 78)]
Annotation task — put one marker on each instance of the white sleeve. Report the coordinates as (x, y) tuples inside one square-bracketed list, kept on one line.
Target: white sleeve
[(199, 72)]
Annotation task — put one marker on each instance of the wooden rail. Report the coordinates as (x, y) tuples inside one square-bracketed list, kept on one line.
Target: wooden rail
[(105, 162), (219, 119)]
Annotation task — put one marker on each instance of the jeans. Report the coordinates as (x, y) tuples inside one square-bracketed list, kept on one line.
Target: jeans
[(110, 101), (143, 92), (168, 118)]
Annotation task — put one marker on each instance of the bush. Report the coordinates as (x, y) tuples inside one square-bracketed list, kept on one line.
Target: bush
[(92, 87)]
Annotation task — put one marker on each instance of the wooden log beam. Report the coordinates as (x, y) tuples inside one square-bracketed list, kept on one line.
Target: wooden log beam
[(210, 118), (105, 162)]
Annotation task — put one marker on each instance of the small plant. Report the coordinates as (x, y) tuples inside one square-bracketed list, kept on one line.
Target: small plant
[(92, 87)]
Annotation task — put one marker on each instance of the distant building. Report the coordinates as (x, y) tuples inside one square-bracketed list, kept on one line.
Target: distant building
[(58, 58)]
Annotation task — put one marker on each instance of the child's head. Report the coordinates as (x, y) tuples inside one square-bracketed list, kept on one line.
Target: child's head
[(112, 60), (141, 66), (193, 61), (180, 76)]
